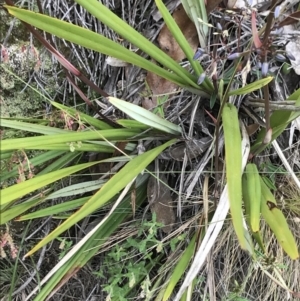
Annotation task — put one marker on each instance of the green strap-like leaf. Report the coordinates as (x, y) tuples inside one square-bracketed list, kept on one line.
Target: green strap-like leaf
[(31, 127), (251, 87), (14, 192), (53, 210), (233, 158), (81, 147), (16, 210), (180, 268), (113, 134), (144, 116)]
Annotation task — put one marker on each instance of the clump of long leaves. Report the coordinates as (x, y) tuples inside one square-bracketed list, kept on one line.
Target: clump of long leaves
[(36, 177), (64, 147)]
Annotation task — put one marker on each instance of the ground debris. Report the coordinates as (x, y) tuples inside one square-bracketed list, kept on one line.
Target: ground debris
[(160, 201)]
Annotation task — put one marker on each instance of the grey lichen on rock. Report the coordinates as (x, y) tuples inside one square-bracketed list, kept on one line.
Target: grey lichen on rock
[(18, 61)]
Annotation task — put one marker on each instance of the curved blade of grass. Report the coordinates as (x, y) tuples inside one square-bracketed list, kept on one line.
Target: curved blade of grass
[(31, 142), (183, 43), (180, 268), (53, 210), (252, 87), (14, 192), (97, 42), (79, 188), (144, 116), (16, 210), (61, 162), (31, 127), (109, 190), (69, 157)]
